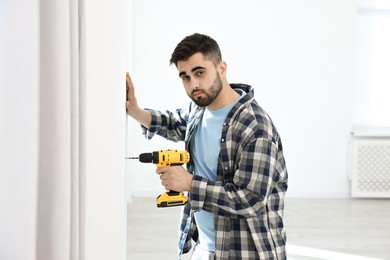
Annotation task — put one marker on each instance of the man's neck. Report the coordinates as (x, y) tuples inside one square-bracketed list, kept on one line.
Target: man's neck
[(225, 97)]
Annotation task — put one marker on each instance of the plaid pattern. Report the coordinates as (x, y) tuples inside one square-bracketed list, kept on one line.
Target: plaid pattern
[(248, 196)]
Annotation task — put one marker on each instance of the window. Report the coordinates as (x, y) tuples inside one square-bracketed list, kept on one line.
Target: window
[(371, 103)]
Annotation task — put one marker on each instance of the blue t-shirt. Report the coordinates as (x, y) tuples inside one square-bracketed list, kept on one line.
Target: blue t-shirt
[(205, 154)]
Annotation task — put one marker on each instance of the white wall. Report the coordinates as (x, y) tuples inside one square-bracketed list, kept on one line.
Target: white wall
[(297, 54), (105, 198)]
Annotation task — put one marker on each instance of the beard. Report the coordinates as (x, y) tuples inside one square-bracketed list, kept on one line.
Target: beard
[(209, 96)]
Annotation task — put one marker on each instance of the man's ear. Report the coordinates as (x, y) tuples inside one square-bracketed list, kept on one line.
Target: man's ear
[(222, 67)]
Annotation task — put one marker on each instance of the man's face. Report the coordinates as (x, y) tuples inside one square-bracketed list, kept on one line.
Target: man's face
[(200, 78)]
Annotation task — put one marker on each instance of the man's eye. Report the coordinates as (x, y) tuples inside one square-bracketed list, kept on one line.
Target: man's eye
[(199, 73), (185, 77)]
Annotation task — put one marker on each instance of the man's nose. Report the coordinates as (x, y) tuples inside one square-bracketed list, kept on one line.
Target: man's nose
[(194, 84)]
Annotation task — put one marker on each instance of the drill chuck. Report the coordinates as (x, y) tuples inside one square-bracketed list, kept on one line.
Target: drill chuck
[(148, 157)]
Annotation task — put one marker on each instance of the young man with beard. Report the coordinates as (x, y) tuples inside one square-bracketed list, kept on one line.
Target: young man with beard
[(237, 177)]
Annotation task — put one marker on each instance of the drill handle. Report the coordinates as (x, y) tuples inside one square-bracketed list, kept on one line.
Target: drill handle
[(173, 193)]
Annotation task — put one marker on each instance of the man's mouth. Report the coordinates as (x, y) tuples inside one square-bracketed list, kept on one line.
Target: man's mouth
[(197, 94)]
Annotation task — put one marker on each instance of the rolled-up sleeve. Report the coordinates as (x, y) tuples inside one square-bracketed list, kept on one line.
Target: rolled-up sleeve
[(170, 125)]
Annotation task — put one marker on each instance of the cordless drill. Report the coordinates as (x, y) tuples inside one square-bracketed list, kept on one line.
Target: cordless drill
[(167, 158)]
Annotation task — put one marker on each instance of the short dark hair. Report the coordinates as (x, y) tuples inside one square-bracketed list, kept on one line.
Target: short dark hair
[(196, 43)]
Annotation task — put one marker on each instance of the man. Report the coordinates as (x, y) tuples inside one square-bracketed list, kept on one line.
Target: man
[(237, 176)]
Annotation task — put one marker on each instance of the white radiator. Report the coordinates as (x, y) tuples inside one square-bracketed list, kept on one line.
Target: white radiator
[(370, 167)]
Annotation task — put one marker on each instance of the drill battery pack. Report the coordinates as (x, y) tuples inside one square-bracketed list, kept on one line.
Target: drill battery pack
[(170, 199)]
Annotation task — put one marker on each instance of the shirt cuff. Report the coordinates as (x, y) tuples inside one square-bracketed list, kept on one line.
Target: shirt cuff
[(152, 130), (198, 192)]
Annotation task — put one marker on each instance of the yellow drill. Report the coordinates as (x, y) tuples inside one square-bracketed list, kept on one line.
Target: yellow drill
[(167, 158)]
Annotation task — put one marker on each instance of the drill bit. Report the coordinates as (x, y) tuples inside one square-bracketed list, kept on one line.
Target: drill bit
[(132, 158)]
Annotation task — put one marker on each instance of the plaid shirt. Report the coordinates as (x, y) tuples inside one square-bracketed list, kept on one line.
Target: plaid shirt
[(248, 196)]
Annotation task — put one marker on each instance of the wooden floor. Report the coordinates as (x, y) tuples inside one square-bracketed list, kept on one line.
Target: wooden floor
[(316, 229)]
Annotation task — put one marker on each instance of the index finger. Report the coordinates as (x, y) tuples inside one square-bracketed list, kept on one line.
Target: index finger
[(161, 170)]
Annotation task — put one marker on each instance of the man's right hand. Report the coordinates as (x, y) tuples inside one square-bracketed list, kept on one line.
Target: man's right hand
[(131, 101), (142, 116)]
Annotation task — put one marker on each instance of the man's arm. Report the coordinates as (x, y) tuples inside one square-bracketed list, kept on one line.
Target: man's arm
[(142, 116)]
